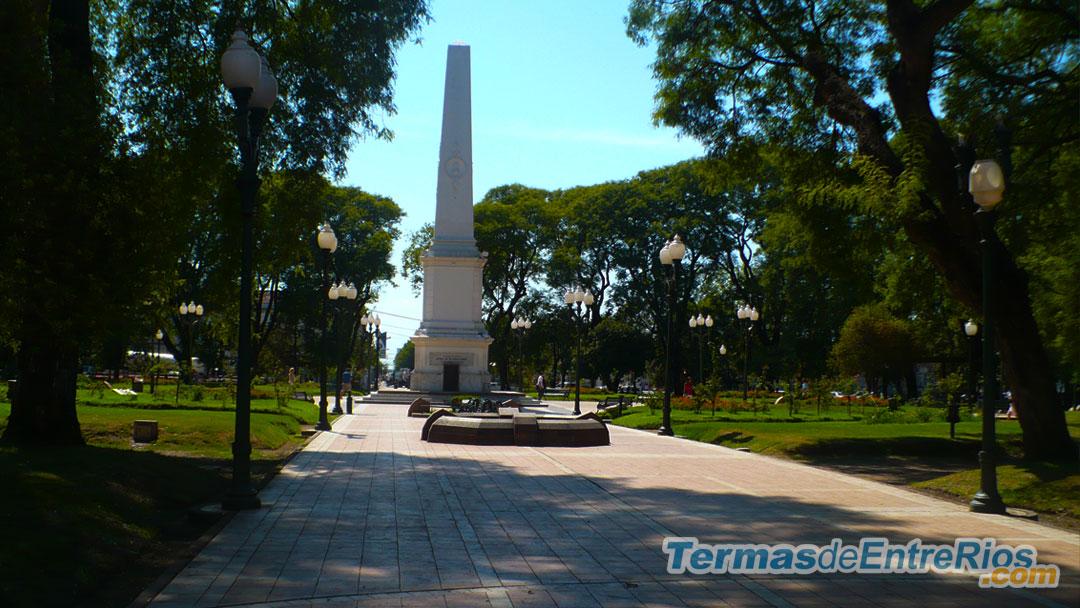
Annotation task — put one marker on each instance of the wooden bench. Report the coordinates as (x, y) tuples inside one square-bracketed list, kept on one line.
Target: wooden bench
[(557, 392), (301, 395)]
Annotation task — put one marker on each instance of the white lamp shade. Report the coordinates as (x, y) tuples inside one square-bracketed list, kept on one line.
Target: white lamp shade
[(514, 324), (723, 349), (971, 328), (569, 296), (700, 319), (708, 321), (333, 292), (665, 255), (351, 292), (327, 240), (579, 294), (678, 249), (265, 92), (693, 321), (365, 320), (528, 323), (753, 314), (741, 313), (378, 321), (199, 310), (183, 309), (159, 335), (240, 64), (589, 299), (986, 183), (191, 307)]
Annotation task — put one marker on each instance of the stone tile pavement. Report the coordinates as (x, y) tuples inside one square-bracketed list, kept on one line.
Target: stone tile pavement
[(369, 515)]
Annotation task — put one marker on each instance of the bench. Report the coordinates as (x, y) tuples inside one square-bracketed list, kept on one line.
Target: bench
[(557, 392), (301, 395), (614, 402)]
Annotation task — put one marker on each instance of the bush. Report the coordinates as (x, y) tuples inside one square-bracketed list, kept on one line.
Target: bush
[(457, 400)]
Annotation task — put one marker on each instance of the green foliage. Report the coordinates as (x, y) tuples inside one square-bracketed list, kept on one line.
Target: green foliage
[(405, 357), (874, 343)]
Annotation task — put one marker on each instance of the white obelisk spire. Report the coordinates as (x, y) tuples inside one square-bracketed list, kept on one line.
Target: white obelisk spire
[(454, 195), (452, 343)]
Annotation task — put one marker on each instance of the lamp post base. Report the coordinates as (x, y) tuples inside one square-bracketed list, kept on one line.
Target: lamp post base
[(241, 499), (666, 431), (984, 503), (323, 426)]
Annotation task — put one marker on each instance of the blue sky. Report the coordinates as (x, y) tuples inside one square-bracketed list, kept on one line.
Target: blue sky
[(560, 98)]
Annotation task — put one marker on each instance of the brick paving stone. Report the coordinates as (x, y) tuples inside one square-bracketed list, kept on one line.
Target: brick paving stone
[(369, 515)]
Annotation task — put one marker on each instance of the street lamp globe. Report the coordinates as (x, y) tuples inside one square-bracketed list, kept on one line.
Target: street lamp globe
[(971, 328), (701, 320), (265, 93), (708, 321), (528, 323), (159, 335), (333, 292), (588, 299), (693, 321), (723, 349), (327, 239), (579, 295), (378, 321), (678, 249), (240, 65), (569, 296), (183, 309), (665, 254), (351, 292), (199, 310), (986, 183), (514, 324), (365, 320)]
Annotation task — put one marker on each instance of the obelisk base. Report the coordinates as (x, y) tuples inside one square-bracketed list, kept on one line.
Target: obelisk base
[(451, 364)]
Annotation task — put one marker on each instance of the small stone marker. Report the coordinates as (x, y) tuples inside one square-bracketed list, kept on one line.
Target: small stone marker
[(146, 431), (419, 406)]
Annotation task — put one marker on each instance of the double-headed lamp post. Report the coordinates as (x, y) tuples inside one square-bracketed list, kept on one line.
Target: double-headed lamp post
[(705, 323), (670, 255), (520, 325), (254, 90), (328, 244), (346, 293), (575, 297), (373, 323), (748, 314), (986, 182)]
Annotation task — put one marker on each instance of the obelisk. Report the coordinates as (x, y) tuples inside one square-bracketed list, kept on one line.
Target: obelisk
[(452, 343)]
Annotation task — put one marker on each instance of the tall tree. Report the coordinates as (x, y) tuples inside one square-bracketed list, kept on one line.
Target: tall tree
[(119, 138), (808, 73)]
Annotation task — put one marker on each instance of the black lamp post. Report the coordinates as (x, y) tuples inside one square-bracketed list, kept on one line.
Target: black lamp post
[(575, 297), (748, 314), (373, 324), (704, 323), (345, 293), (157, 361), (328, 244), (670, 255), (971, 330), (986, 182), (723, 355), (254, 90), (519, 326), (189, 313)]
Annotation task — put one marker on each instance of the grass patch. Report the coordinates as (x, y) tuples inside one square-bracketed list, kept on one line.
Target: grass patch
[(95, 525), (1052, 488)]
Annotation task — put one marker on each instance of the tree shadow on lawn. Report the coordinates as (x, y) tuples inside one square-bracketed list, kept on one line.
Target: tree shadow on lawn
[(93, 526)]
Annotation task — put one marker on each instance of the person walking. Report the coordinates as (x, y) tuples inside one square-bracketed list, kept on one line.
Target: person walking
[(540, 387)]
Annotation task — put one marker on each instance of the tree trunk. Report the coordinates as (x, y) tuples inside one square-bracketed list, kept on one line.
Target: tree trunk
[(43, 406)]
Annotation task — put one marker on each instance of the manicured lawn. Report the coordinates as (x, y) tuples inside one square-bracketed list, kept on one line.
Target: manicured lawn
[(1047, 488), (94, 525)]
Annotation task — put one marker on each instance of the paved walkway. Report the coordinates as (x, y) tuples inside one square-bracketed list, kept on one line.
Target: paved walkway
[(369, 515)]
